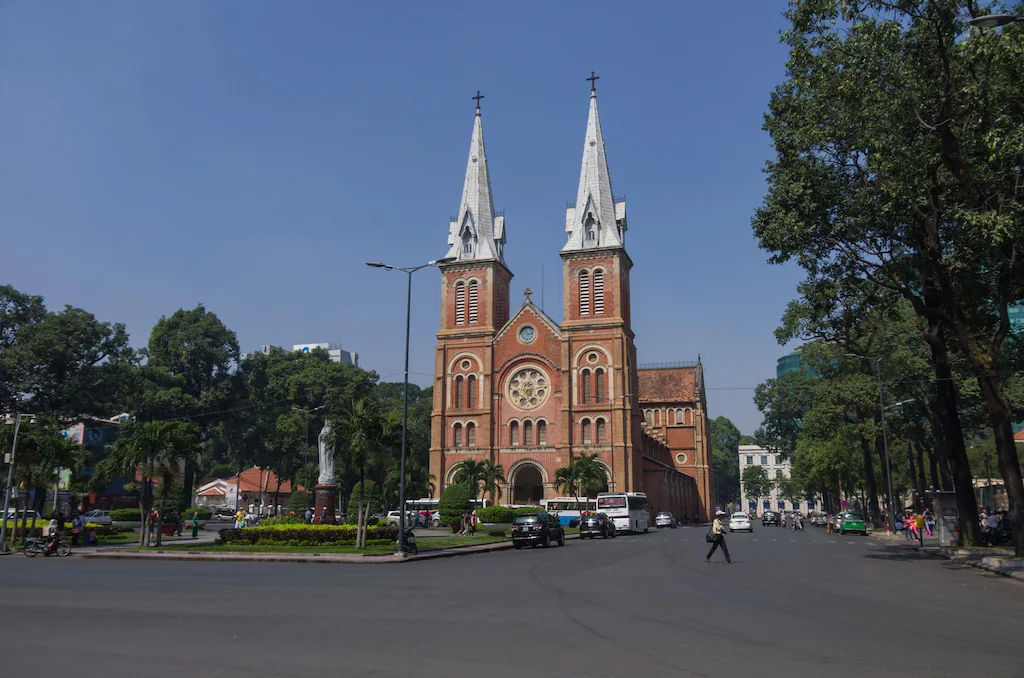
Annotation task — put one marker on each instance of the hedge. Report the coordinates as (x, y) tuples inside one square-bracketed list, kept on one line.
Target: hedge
[(306, 535), (453, 503), (203, 513), (529, 510), (130, 514), (495, 514)]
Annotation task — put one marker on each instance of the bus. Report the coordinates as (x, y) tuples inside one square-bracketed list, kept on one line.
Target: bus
[(568, 509), (630, 511)]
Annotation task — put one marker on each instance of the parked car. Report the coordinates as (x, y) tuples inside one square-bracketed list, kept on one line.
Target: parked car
[(29, 515), (597, 525), (395, 516), (770, 518), (97, 516), (665, 519), (740, 522), (851, 521), (223, 513), (537, 528)]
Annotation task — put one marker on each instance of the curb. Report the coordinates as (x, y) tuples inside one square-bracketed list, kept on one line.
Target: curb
[(945, 553)]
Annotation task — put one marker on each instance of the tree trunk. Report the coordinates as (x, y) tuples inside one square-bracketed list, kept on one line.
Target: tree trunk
[(1006, 453), (955, 453), (869, 476), (919, 494)]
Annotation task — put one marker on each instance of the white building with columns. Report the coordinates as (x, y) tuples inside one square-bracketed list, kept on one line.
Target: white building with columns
[(777, 467)]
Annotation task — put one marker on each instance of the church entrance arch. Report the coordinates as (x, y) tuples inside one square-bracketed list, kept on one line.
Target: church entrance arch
[(527, 484)]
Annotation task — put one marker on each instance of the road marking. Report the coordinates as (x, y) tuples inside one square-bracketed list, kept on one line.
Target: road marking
[(792, 541), (831, 541), (774, 539), (851, 542)]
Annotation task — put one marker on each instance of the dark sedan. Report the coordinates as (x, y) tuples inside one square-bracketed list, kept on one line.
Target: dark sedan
[(596, 525), (537, 528), (770, 518)]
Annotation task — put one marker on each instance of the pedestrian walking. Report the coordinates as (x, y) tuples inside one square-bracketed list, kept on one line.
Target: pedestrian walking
[(76, 529), (195, 525), (308, 515), (239, 519), (717, 533), (919, 526)]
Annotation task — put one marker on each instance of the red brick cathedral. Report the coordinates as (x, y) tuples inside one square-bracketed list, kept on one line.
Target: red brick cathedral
[(530, 393)]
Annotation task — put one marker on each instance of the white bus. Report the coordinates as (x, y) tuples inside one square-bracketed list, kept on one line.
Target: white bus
[(630, 511), (568, 509)]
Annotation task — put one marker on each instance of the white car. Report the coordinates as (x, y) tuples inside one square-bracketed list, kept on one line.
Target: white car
[(740, 522), (97, 517), (664, 519)]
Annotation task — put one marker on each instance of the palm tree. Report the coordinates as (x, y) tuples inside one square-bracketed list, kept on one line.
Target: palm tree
[(591, 474), (470, 474), (363, 431), (565, 479), (493, 477)]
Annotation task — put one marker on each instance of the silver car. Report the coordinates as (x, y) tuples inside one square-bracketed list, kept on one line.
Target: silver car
[(97, 517), (665, 519)]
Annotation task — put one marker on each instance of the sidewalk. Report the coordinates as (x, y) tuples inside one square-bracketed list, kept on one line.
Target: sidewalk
[(990, 559)]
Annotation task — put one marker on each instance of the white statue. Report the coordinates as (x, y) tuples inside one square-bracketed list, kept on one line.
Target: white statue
[(326, 456)]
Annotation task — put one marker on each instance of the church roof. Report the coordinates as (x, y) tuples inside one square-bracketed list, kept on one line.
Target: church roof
[(596, 220), (668, 384), (529, 305), (1019, 436), (477, 233)]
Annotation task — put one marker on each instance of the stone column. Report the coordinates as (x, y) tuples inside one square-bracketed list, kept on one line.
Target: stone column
[(326, 501)]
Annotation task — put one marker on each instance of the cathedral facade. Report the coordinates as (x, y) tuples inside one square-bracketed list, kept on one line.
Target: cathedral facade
[(532, 394)]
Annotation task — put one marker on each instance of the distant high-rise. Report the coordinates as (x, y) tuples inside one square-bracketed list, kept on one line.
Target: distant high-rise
[(334, 350)]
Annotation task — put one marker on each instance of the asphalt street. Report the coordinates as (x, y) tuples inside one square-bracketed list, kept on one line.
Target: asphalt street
[(793, 604)]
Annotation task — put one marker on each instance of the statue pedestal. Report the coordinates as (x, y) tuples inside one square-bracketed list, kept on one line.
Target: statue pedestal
[(326, 503)]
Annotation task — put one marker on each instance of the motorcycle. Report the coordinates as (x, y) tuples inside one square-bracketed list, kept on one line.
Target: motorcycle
[(46, 546), (409, 543), (798, 525)]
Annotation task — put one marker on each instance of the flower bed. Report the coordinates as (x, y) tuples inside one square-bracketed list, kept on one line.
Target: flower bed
[(307, 535)]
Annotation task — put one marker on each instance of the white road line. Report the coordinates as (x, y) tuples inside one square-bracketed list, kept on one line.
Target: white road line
[(792, 541), (830, 541), (774, 539), (851, 542)]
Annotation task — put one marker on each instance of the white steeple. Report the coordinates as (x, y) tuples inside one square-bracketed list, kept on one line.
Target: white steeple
[(596, 220), (476, 233)]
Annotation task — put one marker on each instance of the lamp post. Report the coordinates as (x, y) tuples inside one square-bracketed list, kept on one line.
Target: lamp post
[(10, 478), (309, 414), (611, 431), (405, 389), (885, 442)]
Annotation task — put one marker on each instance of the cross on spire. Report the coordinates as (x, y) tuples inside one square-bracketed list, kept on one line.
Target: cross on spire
[(526, 293), (477, 98), (593, 81)]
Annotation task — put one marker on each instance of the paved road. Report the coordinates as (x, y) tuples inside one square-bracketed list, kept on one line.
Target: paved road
[(645, 605)]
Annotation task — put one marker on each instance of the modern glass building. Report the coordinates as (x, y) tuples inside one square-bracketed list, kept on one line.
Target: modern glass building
[(787, 363)]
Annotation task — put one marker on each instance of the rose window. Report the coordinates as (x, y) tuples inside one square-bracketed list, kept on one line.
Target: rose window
[(528, 388)]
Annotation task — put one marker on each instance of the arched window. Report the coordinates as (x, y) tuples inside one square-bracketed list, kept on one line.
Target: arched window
[(472, 301), (471, 392), (585, 386), (457, 434), (601, 439), (467, 243), (649, 416), (542, 433), (460, 303), (599, 388), (590, 229), (657, 417), (687, 416), (586, 431), (470, 435), (458, 392), (527, 433), (513, 433), (598, 292), (584, 293)]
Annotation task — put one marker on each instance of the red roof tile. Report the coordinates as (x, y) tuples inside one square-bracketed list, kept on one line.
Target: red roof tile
[(667, 385), (1019, 436)]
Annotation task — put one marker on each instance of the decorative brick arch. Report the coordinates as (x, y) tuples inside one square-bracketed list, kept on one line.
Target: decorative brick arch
[(526, 461), (463, 355), (592, 347)]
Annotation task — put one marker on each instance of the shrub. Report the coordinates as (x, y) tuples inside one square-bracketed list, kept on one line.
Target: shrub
[(126, 515), (203, 513), (284, 520), (495, 514), (306, 535), (453, 503), (529, 510), (300, 501)]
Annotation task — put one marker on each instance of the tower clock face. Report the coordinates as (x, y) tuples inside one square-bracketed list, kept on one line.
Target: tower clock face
[(528, 388), (527, 334)]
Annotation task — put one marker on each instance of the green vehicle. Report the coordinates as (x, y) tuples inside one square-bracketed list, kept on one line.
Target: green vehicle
[(852, 522)]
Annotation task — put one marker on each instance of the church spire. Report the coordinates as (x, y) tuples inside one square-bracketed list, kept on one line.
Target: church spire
[(596, 220), (476, 233)]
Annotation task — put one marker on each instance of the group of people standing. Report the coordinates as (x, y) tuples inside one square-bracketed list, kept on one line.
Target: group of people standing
[(915, 526)]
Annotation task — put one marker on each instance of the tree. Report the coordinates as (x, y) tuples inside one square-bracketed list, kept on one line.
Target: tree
[(899, 133), (756, 483), (584, 475), (791, 489), (725, 445), (17, 310), (471, 475), (492, 479), (454, 502)]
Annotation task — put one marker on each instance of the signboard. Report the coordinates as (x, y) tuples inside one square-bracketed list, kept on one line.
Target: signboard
[(65, 495)]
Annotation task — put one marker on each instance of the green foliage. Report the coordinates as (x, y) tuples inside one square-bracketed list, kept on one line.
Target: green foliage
[(372, 495), (283, 520), (300, 501), (306, 535), (124, 515), (492, 479), (222, 471), (757, 483), (725, 443), (203, 513), (470, 474), (584, 476), (495, 514), (455, 501)]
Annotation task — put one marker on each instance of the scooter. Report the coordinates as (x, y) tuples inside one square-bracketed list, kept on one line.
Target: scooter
[(798, 525), (409, 543), (47, 546)]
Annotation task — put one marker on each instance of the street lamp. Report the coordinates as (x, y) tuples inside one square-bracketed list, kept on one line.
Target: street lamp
[(994, 20), (611, 431), (405, 390), (885, 442), (309, 414), (10, 478)]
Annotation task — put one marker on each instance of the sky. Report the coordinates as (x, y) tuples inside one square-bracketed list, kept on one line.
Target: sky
[(252, 156)]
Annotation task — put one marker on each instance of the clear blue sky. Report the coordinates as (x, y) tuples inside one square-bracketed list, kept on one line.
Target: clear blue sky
[(251, 156)]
